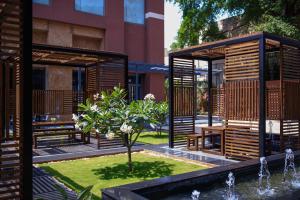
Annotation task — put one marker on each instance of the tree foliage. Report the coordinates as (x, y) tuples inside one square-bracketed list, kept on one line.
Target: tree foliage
[(200, 16), (110, 114)]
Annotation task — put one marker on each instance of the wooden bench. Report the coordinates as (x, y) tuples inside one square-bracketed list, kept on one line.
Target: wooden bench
[(50, 129)]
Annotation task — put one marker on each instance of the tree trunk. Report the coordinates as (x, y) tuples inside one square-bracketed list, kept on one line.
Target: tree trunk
[(129, 159), (160, 127)]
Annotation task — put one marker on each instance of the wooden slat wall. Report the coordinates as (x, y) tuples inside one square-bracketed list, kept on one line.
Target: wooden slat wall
[(290, 123), (218, 101), (10, 48), (184, 99), (55, 102), (242, 140), (242, 61), (111, 74), (291, 133), (291, 100), (241, 100), (291, 63), (273, 100)]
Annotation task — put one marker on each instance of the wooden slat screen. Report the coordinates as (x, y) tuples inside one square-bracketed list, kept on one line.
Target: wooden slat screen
[(241, 103), (242, 139), (218, 101), (184, 99), (242, 61), (56, 102), (10, 50), (111, 74), (291, 137), (105, 76), (291, 100), (291, 63), (273, 100), (241, 100)]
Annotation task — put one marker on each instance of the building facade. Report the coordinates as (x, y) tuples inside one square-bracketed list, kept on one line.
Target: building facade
[(133, 27)]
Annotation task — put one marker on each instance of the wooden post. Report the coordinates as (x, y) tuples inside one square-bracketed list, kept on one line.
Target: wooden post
[(171, 102), (262, 91), (209, 103)]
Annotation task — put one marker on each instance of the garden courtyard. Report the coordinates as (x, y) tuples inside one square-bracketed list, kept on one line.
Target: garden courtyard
[(110, 171)]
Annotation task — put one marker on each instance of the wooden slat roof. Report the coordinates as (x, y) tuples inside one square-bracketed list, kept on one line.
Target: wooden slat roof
[(69, 56), (211, 50)]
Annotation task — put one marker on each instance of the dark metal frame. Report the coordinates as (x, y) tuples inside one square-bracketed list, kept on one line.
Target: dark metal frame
[(25, 140), (187, 54)]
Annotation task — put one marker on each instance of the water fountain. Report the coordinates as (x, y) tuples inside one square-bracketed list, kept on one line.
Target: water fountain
[(264, 174), (289, 172), (195, 195), (230, 194)]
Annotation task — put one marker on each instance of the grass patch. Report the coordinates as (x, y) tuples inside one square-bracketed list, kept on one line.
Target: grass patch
[(152, 137), (110, 171)]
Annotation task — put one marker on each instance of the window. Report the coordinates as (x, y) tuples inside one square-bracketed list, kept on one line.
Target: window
[(78, 80), (45, 2), (90, 6), (38, 79), (134, 11)]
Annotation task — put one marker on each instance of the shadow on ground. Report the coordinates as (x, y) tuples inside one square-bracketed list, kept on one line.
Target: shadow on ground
[(141, 170), (66, 181)]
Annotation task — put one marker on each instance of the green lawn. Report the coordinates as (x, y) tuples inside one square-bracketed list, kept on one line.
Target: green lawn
[(110, 171), (152, 137)]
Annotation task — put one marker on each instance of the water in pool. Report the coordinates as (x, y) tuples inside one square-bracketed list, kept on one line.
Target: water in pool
[(265, 185)]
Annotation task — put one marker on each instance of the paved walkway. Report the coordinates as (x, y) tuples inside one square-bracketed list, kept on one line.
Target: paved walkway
[(76, 151), (192, 155), (47, 188)]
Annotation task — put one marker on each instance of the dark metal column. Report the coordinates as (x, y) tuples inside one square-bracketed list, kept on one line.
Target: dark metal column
[(126, 77), (26, 102), (262, 91), (171, 103), (209, 77)]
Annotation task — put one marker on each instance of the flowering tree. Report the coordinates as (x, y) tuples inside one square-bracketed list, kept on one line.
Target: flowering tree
[(160, 113), (110, 114)]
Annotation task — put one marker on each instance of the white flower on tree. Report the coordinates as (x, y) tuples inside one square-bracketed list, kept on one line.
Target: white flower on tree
[(75, 117), (125, 128), (149, 97), (77, 127), (94, 108), (96, 96), (110, 135), (84, 124)]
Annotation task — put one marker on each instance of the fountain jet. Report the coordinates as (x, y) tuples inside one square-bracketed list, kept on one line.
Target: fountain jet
[(230, 194), (290, 169), (195, 195), (264, 173)]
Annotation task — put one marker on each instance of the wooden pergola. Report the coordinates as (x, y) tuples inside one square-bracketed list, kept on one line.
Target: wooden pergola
[(103, 71), (253, 92)]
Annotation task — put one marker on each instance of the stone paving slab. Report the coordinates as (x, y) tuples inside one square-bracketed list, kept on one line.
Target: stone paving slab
[(192, 155)]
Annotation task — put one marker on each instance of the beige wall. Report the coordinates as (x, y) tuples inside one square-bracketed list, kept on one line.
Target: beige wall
[(67, 35)]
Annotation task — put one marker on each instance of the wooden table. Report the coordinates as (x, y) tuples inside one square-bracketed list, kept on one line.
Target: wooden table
[(212, 131), (53, 123), (193, 139)]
